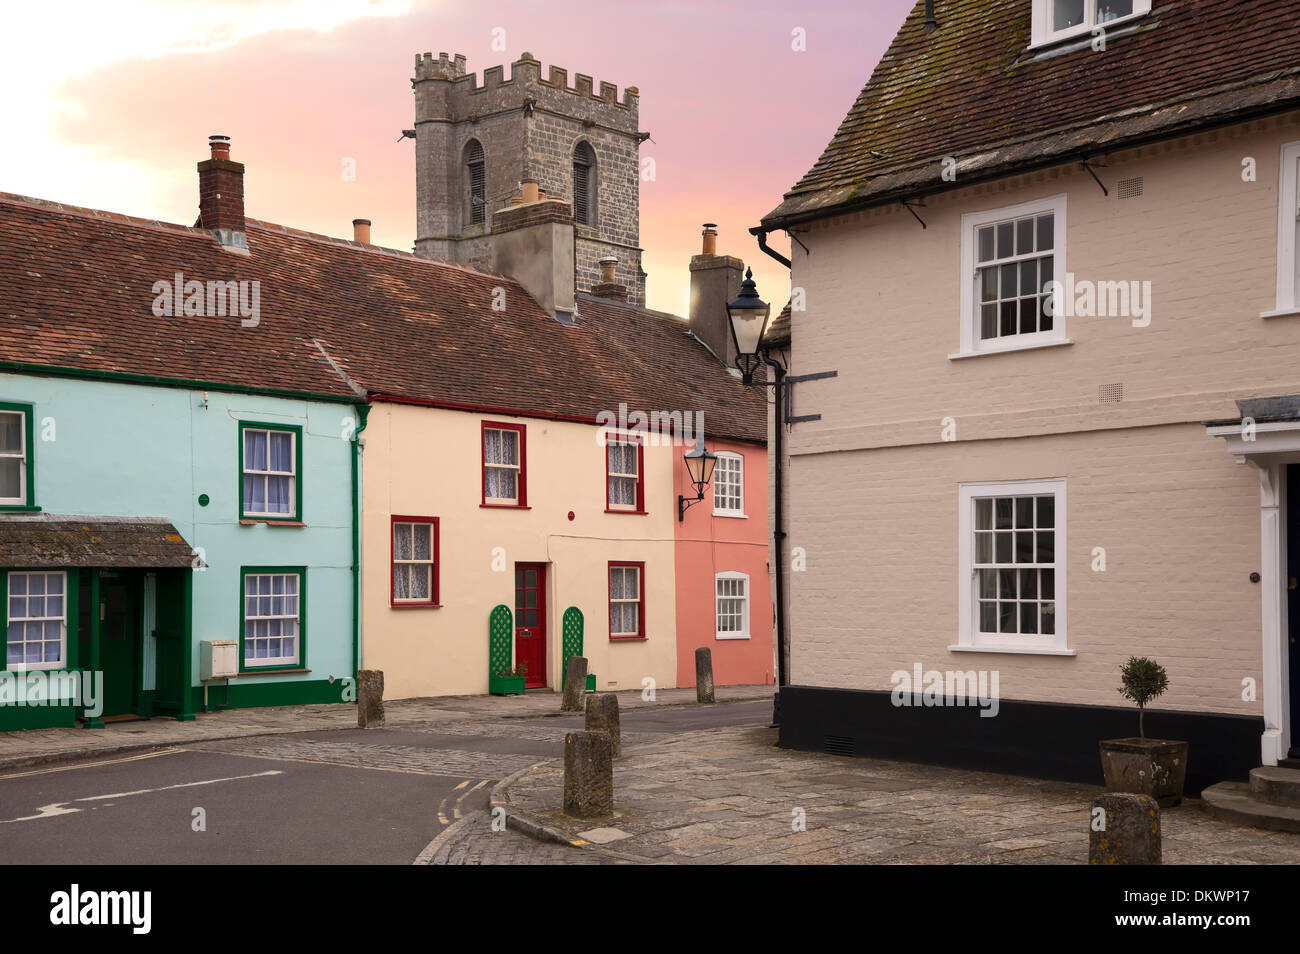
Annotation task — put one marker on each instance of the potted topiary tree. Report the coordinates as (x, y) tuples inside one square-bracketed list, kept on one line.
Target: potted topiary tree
[(1154, 767)]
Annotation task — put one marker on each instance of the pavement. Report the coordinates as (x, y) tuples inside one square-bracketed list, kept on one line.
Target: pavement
[(729, 796)]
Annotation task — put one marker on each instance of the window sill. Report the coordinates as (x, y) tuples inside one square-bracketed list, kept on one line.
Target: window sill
[(1081, 37), (404, 606), (732, 636), (18, 508), (639, 513), (731, 514), (1281, 313), (1013, 650), (504, 506), (627, 639), (270, 672), (1010, 349), (270, 522)]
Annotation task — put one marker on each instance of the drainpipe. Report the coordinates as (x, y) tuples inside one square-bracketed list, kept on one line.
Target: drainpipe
[(363, 413), (778, 485), (778, 533)]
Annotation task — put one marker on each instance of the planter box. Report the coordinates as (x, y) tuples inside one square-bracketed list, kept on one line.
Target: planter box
[(505, 685), (1153, 767)]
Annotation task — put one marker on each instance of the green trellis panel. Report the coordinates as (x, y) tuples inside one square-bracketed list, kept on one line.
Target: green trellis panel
[(501, 627), (571, 644)]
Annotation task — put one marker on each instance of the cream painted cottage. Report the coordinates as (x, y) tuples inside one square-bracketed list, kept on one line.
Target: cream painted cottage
[(1052, 253)]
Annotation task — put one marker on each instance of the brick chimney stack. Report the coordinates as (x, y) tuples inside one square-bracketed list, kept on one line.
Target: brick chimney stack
[(221, 196), (715, 280)]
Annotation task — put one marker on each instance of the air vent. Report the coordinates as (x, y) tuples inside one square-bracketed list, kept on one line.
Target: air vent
[(1110, 393), (1130, 188), (838, 745)]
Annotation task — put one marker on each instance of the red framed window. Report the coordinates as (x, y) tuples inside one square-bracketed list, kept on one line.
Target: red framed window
[(624, 473), (626, 600), (505, 465), (414, 567)]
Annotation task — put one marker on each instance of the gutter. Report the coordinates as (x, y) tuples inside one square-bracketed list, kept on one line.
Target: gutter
[(51, 371), (531, 415), (761, 234)]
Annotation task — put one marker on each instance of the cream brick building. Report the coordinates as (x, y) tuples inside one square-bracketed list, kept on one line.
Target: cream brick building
[(1006, 479)]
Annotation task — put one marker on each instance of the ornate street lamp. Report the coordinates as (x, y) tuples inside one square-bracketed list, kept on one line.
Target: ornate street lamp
[(748, 316), (699, 465)]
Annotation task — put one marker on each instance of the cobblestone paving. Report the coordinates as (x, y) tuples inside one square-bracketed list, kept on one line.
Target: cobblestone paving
[(26, 747), (528, 731), (728, 796), (393, 758), (472, 842)]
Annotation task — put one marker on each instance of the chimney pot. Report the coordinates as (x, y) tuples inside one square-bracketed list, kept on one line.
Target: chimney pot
[(607, 266), (710, 238), (361, 231), (221, 195), (530, 190)]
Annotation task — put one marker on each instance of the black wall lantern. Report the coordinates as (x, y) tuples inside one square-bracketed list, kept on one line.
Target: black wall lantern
[(699, 464)]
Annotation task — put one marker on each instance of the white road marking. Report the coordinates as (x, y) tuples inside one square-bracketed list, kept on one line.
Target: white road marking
[(59, 808)]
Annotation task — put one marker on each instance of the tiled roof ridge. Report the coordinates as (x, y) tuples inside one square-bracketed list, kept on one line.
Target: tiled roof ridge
[(628, 306), (321, 238), (104, 215), (14, 198)]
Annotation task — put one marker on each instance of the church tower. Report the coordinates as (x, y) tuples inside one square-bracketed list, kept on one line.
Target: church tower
[(478, 147)]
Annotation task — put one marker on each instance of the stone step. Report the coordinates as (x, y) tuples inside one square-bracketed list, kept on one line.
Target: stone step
[(1232, 802), (1275, 785)]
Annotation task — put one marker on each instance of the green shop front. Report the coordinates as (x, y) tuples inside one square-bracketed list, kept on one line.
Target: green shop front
[(98, 620)]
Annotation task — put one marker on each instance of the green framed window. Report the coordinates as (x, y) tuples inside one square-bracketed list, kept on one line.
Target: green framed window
[(270, 471), (273, 618), (36, 632), (17, 470)]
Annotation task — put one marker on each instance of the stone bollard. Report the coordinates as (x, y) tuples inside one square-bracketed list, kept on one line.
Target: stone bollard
[(588, 775), (704, 675), (575, 684), (602, 716), (1132, 830), (370, 698)]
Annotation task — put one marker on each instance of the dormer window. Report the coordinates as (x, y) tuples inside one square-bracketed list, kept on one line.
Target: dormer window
[(1062, 19)]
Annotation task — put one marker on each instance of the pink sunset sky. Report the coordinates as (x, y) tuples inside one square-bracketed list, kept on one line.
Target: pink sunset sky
[(109, 105)]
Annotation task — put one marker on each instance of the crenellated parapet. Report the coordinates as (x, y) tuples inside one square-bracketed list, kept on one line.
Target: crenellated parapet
[(466, 97)]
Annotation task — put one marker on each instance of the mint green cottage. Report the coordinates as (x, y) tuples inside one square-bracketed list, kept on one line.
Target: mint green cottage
[(169, 477)]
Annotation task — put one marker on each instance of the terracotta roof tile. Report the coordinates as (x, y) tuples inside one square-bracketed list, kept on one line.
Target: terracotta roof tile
[(76, 292)]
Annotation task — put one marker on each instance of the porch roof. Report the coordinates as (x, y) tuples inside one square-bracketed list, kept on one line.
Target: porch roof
[(47, 540), (1266, 410)]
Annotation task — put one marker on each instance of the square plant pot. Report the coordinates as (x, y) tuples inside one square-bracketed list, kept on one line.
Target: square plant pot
[(1153, 767), (505, 685)]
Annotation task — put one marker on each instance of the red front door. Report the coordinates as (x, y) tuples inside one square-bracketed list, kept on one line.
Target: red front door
[(530, 622)]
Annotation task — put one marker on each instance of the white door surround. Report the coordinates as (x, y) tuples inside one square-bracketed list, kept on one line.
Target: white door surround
[(1270, 447)]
